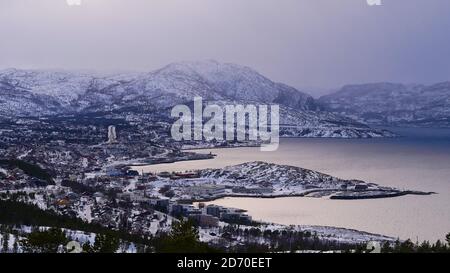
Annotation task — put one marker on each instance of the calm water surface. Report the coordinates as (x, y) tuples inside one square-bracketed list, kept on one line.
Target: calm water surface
[(419, 161)]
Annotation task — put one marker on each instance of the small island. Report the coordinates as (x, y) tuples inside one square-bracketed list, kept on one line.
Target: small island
[(266, 180)]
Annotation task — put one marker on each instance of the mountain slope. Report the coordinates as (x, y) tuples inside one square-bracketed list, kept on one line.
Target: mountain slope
[(39, 93), (237, 82), (170, 85), (393, 104)]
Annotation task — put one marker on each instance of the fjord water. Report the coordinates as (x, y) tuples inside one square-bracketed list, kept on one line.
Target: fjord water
[(420, 160)]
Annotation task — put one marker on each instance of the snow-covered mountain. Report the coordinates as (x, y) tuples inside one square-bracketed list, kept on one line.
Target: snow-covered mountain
[(393, 104), (317, 123), (181, 82), (46, 92), (242, 83), (38, 93)]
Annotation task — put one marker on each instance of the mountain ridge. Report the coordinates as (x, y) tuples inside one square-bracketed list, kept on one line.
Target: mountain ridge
[(35, 93), (392, 103), (182, 80)]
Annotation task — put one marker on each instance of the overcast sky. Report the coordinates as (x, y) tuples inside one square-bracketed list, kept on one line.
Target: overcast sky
[(305, 43)]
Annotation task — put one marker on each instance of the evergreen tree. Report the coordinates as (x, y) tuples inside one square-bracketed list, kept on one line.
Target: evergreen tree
[(15, 245), (106, 243), (6, 243), (140, 248), (87, 248), (407, 246), (425, 247), (183, 238), (438, 246), (386, 247), (48, 241)]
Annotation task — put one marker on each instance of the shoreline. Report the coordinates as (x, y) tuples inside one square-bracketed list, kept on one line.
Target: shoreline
[(216, 148), (304, 194), (159, 162), (290, 137), (329, 223)]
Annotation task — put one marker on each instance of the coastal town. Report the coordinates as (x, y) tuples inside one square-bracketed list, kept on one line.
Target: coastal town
[(92, 173), (223, 135)]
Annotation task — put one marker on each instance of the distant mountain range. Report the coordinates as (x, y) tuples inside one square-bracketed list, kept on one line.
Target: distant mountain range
[(392, 104), (34, 93), (49, 92)]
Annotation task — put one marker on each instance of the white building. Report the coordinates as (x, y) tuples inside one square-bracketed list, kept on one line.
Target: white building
[(206, 190), (112, 136)]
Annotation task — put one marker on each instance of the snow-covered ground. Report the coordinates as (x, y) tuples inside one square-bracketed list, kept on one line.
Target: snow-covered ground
[(261, 179), (333, 234)]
